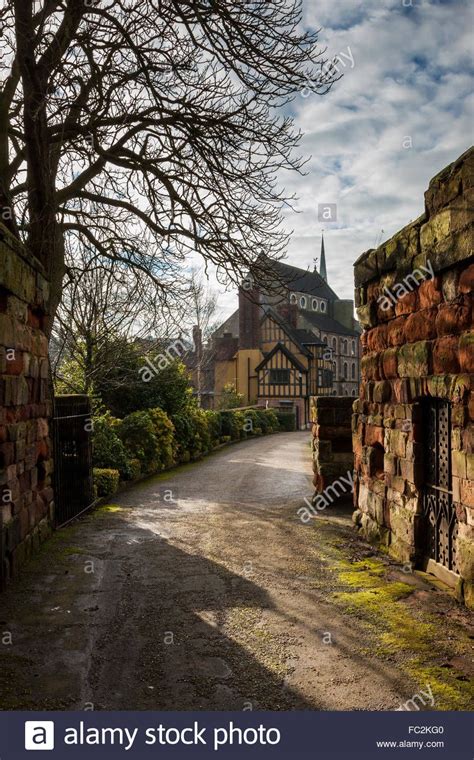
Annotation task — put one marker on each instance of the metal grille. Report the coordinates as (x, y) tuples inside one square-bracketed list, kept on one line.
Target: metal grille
[(438, 508), (72, 457)]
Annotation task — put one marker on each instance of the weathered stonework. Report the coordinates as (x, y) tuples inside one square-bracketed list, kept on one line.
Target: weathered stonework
[(26, 494), (331, 439), (420, 347)]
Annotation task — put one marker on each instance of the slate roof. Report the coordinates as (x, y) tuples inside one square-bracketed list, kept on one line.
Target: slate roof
[(307, 338), (302, 280), (328, 324)]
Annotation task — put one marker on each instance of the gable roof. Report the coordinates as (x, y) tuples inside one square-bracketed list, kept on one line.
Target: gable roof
[(301, 280), (328, 324), (287, 328), (280, 347)]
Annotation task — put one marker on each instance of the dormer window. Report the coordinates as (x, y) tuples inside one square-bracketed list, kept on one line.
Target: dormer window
[(293, 298), (323, 306), (315, 304), (303, 302)]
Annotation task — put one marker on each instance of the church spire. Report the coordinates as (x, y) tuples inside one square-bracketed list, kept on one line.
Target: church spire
[(322, 261)]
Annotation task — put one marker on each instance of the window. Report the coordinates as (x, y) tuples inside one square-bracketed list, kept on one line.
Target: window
[(353, 371), (303, 302), (279, 376), (322, 306), (345, 371), (293, 298), (324, 378), (315, 304), (334, 343), (353, 392), (353, 347)]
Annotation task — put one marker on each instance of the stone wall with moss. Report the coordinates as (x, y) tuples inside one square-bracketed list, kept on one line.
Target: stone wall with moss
[(26, 494), (418, 343), (331, 439)]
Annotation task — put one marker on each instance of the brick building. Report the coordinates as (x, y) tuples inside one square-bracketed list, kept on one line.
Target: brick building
[(413, 424)]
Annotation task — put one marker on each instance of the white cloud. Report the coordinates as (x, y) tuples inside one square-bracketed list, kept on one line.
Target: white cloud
[(411, 79)]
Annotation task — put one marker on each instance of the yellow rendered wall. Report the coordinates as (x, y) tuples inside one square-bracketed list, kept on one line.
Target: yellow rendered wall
[(248, 387)]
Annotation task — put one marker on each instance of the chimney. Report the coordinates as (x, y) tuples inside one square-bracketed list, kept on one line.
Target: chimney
[(249, 318), (197, 339)]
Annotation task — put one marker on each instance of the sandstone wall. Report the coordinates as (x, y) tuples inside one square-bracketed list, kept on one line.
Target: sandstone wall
[(331, 439), (421, 347), (26, 494)]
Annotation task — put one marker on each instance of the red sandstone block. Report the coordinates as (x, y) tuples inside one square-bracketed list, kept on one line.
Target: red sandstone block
[(446, 356), (7, 455), (467, 493), (373, 434), (466, 352), (407, 304), (453, 318), (430, 293), (42, 449), (471, 405), (466, 281), (396, 331), (370, 367), (377, 338), (421, 325), (14, 364)]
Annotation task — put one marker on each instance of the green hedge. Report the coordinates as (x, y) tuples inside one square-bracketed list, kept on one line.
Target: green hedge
[(106, 480), (108, 450), (149, 441)]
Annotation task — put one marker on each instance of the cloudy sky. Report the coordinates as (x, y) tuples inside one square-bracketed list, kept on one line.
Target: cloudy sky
[(402, 111)]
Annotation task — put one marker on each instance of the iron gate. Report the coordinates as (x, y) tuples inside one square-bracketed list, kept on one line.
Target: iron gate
[(72, 457), (441, 525)]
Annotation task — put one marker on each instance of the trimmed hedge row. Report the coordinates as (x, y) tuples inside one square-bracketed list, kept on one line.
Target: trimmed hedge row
[(149, 441)]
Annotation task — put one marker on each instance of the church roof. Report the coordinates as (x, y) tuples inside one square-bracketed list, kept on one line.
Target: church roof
[(302, 280), (328, 324)]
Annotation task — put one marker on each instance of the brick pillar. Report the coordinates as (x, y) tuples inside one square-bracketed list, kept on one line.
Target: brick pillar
[(415, 302), (26, 494)]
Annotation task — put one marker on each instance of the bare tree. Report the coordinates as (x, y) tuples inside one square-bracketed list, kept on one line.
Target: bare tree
[(147, 129), (107, 316), (200, 313)]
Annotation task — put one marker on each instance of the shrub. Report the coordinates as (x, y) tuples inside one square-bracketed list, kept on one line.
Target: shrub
[(184, 434), (135, 468), (251, 423), (286, 420), (194, 433), (230, 399), (137, 432), (106, 480), (164, 434), (108, 450), (202, 436), (230, 425), (214, 426), (268, 420)]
